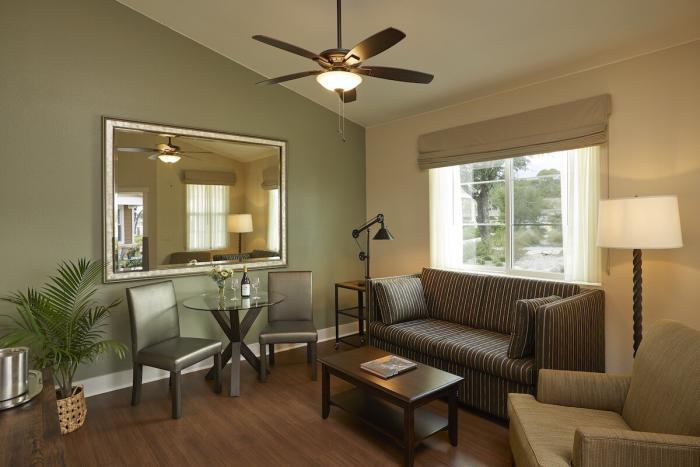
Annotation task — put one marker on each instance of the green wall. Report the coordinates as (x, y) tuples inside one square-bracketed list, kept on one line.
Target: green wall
[(64, 64)]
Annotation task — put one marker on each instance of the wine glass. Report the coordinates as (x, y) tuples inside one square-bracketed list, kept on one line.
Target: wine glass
[(234, 286), (255, 284)]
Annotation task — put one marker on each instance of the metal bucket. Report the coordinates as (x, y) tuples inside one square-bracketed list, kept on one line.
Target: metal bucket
[(14, 372)]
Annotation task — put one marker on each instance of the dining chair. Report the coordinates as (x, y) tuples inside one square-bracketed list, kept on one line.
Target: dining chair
[(156, 340), (291, 320)]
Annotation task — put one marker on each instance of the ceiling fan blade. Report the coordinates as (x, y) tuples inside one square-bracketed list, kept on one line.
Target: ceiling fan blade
[(195, 152), (348, 96), (395, 74), (153, 157), (290, 48), (281, 79), (135, 149), (374, 45)]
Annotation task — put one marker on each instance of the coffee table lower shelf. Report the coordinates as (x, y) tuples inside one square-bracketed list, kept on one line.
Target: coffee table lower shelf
[(388, 418)]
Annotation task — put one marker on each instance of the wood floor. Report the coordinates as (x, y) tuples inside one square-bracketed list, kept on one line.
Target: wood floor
[(277, 423)]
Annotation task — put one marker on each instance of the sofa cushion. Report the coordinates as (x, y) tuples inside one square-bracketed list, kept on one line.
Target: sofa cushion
[(543, 434), (453, 296), (522, 338), (485, 351), (419, 335), (500, 294), (400, 299)]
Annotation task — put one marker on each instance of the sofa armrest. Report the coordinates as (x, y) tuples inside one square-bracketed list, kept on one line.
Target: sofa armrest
[(623, 448), (570, 333), (598, 391)]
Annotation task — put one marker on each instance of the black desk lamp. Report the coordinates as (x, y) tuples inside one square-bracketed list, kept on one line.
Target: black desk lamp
[(382, 234)]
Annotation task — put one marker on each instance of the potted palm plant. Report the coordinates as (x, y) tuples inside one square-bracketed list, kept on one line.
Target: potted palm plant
[(63, 324)]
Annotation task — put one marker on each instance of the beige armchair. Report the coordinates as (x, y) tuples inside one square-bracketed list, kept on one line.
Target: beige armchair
[(651, 418)]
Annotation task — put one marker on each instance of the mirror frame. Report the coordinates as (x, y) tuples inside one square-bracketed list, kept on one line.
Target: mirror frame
[(109, 124)]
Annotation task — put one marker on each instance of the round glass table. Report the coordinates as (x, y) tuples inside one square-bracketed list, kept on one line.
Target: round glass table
[(227, 311)]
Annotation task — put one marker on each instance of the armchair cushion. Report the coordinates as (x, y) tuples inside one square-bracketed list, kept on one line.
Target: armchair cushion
[(624, 448), (543, 434), (598, 391), (522, 338), (178, 353), (401, 300)]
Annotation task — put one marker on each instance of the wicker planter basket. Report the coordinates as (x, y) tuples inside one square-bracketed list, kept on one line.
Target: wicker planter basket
[(72, 411)]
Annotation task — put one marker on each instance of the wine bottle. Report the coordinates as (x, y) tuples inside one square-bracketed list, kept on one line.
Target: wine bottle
[(245, 283)]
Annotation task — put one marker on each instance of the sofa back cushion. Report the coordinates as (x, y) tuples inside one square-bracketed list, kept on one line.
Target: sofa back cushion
[(400, 299), (453, 296), (522, 338), (498, 304), (664, 394)]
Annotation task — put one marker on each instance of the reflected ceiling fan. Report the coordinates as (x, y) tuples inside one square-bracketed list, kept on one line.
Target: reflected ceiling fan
[(342, 69), (168, 153)]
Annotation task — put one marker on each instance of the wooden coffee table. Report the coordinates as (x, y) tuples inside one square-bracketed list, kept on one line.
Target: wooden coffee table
[(392, 405)]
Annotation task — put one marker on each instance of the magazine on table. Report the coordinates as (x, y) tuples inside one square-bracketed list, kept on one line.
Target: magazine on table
[(388, 366)]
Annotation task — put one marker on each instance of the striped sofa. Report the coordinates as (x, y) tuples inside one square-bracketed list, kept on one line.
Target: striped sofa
[(467, 331)]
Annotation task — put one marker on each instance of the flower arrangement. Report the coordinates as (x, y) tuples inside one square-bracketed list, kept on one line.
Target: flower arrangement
[(219, 275)]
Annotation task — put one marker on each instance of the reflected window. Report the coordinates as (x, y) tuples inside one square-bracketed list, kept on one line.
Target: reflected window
[(273, 220), (129, 222), (207, 209)]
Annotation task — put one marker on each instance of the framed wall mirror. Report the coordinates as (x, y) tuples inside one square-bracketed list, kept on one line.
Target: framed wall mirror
[(179, 201)]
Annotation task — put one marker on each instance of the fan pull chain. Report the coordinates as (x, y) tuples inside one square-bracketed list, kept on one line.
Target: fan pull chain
[(341, 117)]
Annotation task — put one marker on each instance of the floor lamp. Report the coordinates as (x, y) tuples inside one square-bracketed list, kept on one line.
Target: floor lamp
[(240, 224), (382, 234), (650, 222)]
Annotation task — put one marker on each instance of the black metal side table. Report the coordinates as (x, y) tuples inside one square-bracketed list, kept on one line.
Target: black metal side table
[(356, 312)]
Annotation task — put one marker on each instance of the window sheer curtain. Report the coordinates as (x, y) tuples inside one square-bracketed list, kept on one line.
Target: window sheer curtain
[(580, 196), (207, 208), (445, 219), (273, 220)]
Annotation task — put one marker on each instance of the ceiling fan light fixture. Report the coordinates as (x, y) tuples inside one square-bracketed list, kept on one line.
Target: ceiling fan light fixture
[(339, 80), (168, 158)]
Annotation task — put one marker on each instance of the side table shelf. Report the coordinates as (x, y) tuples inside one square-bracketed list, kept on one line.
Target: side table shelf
[(356, 312)]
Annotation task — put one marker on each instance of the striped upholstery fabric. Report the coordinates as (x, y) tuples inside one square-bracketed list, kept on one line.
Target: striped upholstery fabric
[(501, 293), (570, 333), (401, 300), (421, 335), (486, 351), (522, 339), (485, 392), (372, 305), (453, 296)]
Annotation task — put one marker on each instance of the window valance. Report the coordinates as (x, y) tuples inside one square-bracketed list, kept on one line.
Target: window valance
[(206, 177), (560, 127)]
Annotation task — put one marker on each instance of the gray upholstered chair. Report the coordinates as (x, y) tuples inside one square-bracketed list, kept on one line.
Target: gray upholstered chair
[(156, 341), (290, 321)]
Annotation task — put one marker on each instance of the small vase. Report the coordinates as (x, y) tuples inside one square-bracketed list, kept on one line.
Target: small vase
[(221, 292)]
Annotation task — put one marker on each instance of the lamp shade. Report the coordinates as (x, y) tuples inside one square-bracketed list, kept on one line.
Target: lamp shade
[(240, 223), (383, 234), (649, 222)]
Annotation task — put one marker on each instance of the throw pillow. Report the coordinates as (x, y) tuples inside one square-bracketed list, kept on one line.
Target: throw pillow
[(522, 339), (400, 300)]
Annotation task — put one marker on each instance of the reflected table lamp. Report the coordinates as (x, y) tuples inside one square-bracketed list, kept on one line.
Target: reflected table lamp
[(382, 234), (638, 223), (240, 224)]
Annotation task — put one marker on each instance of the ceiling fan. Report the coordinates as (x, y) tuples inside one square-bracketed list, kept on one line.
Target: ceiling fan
[(168, 153), (342, 69)]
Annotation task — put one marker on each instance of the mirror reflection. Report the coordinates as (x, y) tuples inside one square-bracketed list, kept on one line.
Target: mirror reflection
[(189, 201)]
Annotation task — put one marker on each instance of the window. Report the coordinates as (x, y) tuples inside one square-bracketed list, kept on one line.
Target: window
[(531, 215), (207, 209)]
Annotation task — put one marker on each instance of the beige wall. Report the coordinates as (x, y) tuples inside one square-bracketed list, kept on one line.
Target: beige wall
[(65, 64), (654, 149)]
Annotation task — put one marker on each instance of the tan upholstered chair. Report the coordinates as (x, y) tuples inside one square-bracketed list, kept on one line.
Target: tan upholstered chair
[(651, 418)]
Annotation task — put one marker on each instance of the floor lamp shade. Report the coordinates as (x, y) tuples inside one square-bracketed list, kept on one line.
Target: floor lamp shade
[(650, 222)]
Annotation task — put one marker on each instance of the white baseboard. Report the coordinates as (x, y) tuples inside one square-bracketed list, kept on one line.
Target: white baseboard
[(123, 379)]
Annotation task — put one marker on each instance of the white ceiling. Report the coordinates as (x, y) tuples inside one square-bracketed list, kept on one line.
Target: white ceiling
[(473, 47)]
